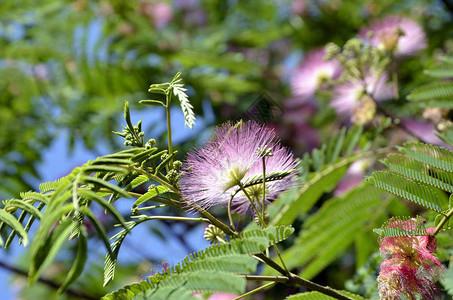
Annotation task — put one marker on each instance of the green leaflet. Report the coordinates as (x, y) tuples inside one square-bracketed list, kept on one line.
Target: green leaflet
[(153, 192), (104, 184), (432, 91), (418, 193), (438, 93), (11, 221), (138, 181), (34, 196), (420, 172), (104, 203), (397, 226), (50, 186), (25, 206), (213, 269), (44, 252), (79, 262), (111, 257), (435, 156), (98, 226), (446, 136)]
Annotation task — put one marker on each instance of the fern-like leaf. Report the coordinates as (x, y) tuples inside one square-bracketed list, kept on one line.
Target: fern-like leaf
[(213, 269), (112, 256), (432, 91), (400, 186), (435, 156), (420, 172), (402, 226), (187, 108)]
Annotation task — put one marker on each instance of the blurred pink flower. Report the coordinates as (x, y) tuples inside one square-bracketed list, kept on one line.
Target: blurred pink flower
[(410, 268), (160, 12), (354, 176), (396, 34), (311, 75), (299, 7), (357, 99), (424, 131)]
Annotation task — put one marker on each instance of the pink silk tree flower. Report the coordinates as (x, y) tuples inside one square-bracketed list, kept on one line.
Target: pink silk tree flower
[(311, 75), (398, 35), (357, 99), (215, 172), (410, 268)]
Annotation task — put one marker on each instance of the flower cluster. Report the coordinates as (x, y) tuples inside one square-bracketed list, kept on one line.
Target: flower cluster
[(358, 73), (410, 268), (398, 35), (312, 74), (229, 161)]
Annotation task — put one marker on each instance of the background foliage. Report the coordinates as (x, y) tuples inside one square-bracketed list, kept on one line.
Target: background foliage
[(68, 66)]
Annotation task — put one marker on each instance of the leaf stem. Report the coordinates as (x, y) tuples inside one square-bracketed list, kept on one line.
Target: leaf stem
[(294, 279), (146, 218), (281, 258), (443, 221), (167, 108), (256, 290), (227, 230), (230, 217), (241, 186)]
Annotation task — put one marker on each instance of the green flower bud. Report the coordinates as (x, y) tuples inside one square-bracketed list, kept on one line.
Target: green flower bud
[(213, 234)]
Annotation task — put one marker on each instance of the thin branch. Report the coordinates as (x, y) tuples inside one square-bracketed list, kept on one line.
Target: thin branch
[(294, 279), (47, 282), (255, 290)]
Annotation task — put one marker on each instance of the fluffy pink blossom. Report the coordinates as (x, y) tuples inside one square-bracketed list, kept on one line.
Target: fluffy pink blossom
[(395, 34), (214, 172), (311, 74), (356, 99), (410, 268)]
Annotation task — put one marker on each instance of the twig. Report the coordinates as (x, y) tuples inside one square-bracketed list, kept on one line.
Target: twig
[(294, 279)]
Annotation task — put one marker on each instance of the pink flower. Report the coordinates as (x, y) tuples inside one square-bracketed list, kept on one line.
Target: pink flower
[(395, 34), (311, 75), (410, 268), (214, 173), (357, 99), (160, 12)]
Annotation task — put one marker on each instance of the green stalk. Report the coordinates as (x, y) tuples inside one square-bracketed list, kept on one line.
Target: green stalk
[(281, 258), (294, 279), (256, 290), (147, 218), (443, 221), (227, 230), (253, 204), (167, 108), (229, 214)]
